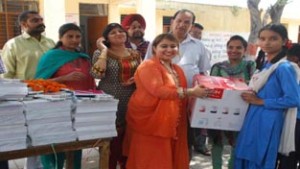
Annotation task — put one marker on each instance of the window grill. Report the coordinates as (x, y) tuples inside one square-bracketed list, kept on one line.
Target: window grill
[(9, 11)]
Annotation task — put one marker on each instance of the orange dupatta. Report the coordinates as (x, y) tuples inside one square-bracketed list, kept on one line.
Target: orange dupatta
[(156, 110)]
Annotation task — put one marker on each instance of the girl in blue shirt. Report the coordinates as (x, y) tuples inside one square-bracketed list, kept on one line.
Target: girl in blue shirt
[(259, 139)]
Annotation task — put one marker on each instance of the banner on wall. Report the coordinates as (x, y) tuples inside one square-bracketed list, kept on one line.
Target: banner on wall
[(216, 43)]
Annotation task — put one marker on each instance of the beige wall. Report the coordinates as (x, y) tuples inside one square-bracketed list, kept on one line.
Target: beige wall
[(213, 18), (293, 28), (72, 6), (41, 7)]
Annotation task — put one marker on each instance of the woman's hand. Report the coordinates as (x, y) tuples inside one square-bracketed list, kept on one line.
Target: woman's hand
[(99, 67), (250, 97), (128, 82), (199, 91), (100, 44), (74, 76)]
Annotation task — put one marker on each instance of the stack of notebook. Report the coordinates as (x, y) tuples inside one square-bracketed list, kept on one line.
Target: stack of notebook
[(49, 121), (12, 89), (13, 131), (95, 118)]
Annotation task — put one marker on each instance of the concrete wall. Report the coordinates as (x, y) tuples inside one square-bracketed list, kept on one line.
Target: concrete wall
[(53, 12), (293, 28), (58, 12), (214, 18)]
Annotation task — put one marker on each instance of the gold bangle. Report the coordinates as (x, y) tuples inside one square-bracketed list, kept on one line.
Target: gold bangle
[(180, 92), (103, 54), (98, 70), (185, 92), (102, 58), (188, 92)]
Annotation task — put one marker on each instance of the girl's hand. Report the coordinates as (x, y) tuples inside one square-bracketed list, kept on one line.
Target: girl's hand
[(250, 97)]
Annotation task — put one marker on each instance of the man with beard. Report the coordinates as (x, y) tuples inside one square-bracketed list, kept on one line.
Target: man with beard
[(135, 26), (22, 53)]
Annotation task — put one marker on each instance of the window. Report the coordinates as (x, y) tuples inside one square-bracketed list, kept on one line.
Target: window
[(9, 11), (166, 23)]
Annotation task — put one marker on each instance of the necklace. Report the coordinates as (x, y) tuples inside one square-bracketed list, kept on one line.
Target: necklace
[(120, 54), (172, 72)]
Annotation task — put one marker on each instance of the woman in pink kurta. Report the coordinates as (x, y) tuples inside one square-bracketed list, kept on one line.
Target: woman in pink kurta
[(66, 65)]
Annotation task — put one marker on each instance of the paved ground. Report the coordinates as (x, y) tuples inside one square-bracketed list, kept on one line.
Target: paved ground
[(200, 161), (90, 160)]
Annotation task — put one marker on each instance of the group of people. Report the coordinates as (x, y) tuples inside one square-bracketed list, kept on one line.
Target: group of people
[(153, 83)]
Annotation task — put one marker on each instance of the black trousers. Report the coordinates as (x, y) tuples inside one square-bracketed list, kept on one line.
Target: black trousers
[(3, 164), (291, 161)]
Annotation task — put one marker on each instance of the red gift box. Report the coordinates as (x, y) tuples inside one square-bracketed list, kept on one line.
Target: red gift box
[(219, 84), (223, 109)]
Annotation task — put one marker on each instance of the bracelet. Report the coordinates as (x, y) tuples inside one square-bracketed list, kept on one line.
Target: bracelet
[(98, 70), (102, 57), (180, 92), (189, 92), (185, 92)]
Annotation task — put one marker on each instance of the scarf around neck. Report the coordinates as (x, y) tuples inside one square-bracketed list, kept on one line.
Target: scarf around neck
[(52, 60), (258, 80)]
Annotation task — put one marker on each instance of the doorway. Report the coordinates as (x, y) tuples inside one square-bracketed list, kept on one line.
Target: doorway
[(93, 19), (299, 34)]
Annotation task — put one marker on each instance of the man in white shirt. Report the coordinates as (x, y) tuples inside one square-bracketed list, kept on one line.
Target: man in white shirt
[(196, 32), (192, 56), (200, 135)]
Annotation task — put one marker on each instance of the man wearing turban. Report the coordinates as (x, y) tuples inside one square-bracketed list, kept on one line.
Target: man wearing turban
[(135, 25)]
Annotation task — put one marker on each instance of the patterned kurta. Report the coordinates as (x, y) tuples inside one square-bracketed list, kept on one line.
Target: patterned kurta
[(111, 83), (244, 70)]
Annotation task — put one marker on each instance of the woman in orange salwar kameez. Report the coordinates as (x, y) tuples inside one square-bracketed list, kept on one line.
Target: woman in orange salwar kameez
[(156, 134)]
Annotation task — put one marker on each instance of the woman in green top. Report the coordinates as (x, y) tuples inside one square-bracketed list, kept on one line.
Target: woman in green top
[(235, 67)]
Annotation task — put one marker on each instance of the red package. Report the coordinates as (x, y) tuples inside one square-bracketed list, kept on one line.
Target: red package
[(218, 84)]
